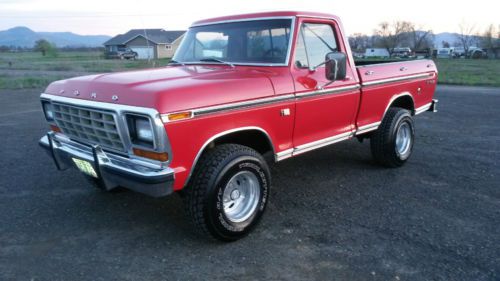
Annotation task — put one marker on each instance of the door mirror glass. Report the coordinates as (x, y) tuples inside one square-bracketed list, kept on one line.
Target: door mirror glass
[(335, 66)]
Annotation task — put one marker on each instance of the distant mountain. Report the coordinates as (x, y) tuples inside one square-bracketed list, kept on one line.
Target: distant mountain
[(24, 37), (452, 38), (445, 36)]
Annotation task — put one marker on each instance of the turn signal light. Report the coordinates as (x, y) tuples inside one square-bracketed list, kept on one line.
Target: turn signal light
[(177, 116), (163, 157), (55, 129)]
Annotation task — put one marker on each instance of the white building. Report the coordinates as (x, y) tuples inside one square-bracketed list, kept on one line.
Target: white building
[(376, 52)]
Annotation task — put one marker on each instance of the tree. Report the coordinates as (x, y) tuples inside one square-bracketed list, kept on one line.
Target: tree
[(466, 36), (420, 39), (45, 47), (445, 44), (491, 40), (392, 35), (359, 41)]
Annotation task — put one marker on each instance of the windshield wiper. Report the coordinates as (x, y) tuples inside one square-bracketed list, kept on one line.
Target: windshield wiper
[(217, 60), (175, 62)]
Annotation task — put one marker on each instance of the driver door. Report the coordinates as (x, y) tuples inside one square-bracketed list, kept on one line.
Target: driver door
[(323, 114)]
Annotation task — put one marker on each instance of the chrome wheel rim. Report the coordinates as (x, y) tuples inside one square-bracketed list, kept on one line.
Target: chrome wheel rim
[(403, 139), (241, 196)]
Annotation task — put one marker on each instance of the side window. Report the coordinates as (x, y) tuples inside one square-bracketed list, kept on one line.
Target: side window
[(319, 40)]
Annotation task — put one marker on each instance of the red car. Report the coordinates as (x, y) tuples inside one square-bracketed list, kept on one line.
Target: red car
[(239, 87)]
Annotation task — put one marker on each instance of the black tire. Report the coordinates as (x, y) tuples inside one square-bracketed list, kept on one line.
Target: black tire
[(383, 141), (204, 197)]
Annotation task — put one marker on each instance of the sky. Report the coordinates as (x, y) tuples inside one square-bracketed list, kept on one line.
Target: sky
[(113, 17)]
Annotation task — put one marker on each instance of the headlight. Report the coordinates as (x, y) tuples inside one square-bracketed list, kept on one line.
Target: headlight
[(48, 110), (141, 131)]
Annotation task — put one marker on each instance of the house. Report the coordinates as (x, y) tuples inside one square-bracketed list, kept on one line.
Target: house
[(147, 43), (376, 53)]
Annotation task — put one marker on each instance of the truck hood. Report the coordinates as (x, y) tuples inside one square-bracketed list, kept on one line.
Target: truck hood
[(171, 88)]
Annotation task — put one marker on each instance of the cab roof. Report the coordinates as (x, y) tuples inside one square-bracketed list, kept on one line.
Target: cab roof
[(265, 15)]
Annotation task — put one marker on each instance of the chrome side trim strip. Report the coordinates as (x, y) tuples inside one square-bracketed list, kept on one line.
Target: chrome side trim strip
[(282, 155), (393, 62), (396, 97), (423, 108), (243, 104), (320, 143), (328, 91), (367, 128), (396, 79), (285, 154), (269, 100)]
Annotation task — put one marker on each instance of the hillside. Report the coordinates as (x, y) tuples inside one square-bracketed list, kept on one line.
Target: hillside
[(24, 37)]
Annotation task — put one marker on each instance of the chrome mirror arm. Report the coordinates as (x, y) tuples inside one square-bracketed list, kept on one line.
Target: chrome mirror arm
[(313, 68)]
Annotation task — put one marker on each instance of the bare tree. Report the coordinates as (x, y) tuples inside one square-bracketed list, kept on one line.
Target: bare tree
[(491, 40), (420, 38), (359, 41), (466, 36), (392, 35)]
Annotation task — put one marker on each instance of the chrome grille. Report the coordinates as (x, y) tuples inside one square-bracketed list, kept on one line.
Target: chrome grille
[(88, 125)]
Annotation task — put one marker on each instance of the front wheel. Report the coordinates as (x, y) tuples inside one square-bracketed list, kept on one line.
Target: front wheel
[(392, 143), (228, 192)]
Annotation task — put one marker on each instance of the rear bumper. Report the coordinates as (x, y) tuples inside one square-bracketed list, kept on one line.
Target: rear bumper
[(433, 107), (114, 170)]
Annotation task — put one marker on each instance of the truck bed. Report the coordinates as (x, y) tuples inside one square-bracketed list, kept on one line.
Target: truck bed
[(383, 82)]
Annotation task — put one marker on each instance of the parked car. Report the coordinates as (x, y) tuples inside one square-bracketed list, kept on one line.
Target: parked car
[(201, 126), (122, 53), (401, 52), (445, 53), (477, 53), (459, 52)]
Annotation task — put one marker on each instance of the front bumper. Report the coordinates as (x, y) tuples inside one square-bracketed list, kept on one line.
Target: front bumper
[(114, 170)]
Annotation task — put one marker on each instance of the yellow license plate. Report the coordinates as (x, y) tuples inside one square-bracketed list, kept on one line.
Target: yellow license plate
[(85, 167)]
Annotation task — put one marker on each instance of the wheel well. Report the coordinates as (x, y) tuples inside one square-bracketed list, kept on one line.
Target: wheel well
[(405, 102), (254, 139)]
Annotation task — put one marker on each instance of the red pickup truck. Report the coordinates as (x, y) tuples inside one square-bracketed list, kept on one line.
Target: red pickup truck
[(238, 88)]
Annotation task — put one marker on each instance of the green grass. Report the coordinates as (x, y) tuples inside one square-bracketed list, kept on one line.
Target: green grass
[(32, 70), (27, 82), (469, 72), (466, 72), (72, 61)]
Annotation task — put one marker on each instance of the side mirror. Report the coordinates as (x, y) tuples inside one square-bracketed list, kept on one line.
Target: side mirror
[(335, 66)]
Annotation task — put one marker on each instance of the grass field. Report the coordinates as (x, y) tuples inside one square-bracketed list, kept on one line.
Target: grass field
[(32, 70), (469, 72)]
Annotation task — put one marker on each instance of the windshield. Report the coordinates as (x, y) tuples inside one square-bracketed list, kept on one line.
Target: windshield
[(248, 42)]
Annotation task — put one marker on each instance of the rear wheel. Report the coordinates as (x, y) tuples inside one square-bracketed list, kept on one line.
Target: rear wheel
[(392, 143), (228, 192)]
